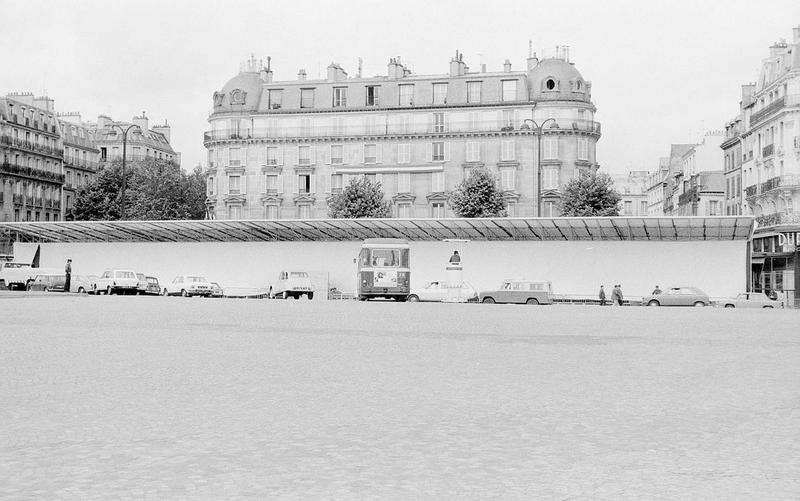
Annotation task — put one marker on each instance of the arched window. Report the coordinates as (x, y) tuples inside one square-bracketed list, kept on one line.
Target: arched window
[(550, 84)]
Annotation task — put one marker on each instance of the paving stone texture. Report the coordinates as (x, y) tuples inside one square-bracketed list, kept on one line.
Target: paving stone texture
[(172, 398)]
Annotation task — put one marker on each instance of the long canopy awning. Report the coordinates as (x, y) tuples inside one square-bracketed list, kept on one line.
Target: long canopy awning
[(287, 230)]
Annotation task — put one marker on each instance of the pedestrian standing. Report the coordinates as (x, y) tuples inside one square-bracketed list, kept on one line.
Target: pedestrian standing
[(455, 258), (657, 290), (67, 275), (602, 296), (619, 294), (615, 296)]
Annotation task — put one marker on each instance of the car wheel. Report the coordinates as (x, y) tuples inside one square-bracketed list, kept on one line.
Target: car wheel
[(81, 290), (488, 300), (285, 295), (413, 298), (310, 296), (362, 298), (108, 291), (768, 306), (653, 302), (699, 304), (183, 293), (730, 306), (532, 300)]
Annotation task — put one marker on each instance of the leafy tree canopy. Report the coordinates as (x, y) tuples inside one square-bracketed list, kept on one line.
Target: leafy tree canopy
[(360, 198), (155, 189), (478, 196), (590, 195)]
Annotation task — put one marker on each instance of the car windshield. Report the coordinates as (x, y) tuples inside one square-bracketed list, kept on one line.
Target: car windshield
[(298, 274), (385, 257), (197, 279), (125, 274)]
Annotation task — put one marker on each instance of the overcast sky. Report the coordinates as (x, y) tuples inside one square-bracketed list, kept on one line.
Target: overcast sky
[(661, 72)]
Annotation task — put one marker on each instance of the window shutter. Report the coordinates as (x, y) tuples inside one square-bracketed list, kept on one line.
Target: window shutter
[(500, 123), (328, 183), (429, 150), (430, 122), (447, 122), (243, 184), (262, 156), (446, 151), (225, 184), (363, 147), (378, 153), (280, 154), (280, 183), (295, 183), (329, 155), (313, 183), (516, 119), (224, 152), (262, 183)]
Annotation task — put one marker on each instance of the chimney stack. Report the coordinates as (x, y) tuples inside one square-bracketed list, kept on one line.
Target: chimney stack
[(142, 122), (163, 129), (301, 75), (796, 34), (507, 66)]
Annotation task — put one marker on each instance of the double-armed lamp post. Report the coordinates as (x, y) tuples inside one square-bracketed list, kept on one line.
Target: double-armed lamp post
[(124, 131), (538, 130)]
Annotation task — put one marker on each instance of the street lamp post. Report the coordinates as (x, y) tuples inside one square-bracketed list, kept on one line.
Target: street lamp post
[(538, 129), (124, 131)]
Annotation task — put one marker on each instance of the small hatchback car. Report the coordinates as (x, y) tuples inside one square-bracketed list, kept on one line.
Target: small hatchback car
[(187, 286), (117, 281)]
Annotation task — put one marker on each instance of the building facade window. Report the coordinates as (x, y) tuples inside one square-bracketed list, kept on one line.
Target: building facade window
[(306, 98), (234, 183), (406, 94), (507, 152), (548, 209), (404, 182), (233, 157), (210, 186), (507, 120), (305, 211), (550, 148), (437, 151), (339, 97), (304, 155), (437, 182), (628, 207), (271, 183), (437, 210), (583, 148), (337, 154), (272, 155), (370, 153), (440, 93), (473, 153), (304, 183), (643, 207), (403, 153), (404, 210), (508, 179), (438, 122), (550, 178), (272, 212), (275, 99), (473, 92), (336, 183), (373, 95), (509, 89)]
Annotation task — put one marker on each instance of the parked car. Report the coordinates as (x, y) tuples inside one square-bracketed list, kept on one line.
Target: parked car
[(153, 288), (678, 296), (293, 284), (141, 287), (519, 291), (216, 290), (187, 286), (47, 282), (82, 283), (440, 291), (117, 281), (16, 275), (750, 300)]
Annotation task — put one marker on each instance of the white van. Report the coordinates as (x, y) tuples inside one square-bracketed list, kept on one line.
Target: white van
[(293, 284)]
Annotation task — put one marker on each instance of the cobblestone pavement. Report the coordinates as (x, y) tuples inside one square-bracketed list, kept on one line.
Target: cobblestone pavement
[(173, 398)]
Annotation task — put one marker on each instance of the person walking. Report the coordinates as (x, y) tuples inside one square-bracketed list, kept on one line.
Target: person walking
[(619, 294), (615, 296), (455, 258), (602, 296), (67, 275), (657, 290)]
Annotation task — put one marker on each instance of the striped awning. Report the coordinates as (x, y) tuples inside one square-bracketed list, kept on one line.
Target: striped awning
[(506, 228)]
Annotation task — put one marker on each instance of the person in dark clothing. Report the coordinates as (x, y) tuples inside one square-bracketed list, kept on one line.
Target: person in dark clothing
[(455, 258), (67, 275), (602, 296), (618, 290), (657, 290)]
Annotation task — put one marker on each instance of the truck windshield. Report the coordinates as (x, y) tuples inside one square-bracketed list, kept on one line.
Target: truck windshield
[(385, 257)]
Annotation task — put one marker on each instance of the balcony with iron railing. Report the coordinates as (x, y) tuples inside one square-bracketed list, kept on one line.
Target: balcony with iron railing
[(773, 183), (80, 163), (31, 146), (30, 172), (777, 218), (774, 107), (562, 125), (768, 150)]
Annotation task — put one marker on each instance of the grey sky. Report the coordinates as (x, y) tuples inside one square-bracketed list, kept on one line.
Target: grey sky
[(661, 71)]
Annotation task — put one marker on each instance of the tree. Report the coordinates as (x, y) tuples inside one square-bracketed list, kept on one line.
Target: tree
[(156, 189), (478, 196), (360, 198), (590, 195)]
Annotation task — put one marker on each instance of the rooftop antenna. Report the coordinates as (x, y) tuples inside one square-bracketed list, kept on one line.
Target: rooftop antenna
[(530, 48), (269, 60), (360, 65)]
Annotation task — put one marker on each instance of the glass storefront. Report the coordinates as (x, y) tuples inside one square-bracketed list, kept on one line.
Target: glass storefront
[(774, 266)]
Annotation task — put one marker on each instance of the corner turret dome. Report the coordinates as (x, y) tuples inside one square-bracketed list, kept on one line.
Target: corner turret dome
[(241, 93), (556, 78)]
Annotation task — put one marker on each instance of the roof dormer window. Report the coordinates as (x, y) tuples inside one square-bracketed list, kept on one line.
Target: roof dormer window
[(550, 84)]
